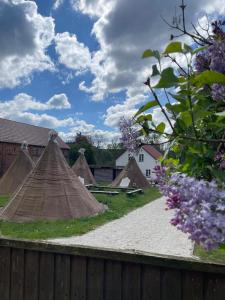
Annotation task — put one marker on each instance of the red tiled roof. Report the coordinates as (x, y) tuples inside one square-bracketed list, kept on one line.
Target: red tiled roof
[(152, 151), (16, 132)]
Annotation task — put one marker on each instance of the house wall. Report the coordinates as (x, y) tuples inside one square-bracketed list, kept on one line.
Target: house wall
[(104, 174), (148, 164), (9, 151)]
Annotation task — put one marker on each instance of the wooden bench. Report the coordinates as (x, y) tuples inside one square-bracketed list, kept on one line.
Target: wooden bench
[(111, 193), (114, 188), (138, 191)]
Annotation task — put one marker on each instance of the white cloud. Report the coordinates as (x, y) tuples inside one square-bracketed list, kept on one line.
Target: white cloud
[(24, 38), (59, 101), (22, 106), (72, 54), (57, 4)]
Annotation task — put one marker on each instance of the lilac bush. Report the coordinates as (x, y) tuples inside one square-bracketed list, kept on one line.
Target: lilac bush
[(199, 207), (129, 135), (213, 58)]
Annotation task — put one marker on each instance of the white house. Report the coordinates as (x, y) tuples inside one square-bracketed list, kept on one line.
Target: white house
[(147, 159)]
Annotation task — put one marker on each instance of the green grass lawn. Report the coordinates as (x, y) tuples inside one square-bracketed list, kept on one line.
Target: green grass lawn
[(117, 207), (214, 256)]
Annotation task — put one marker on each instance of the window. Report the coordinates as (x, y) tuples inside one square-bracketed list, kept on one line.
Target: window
[(141, 157), (148, 173)]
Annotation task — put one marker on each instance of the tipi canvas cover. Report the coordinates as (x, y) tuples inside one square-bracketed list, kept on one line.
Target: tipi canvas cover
[(51, 191), (17, 172), (82, 170), (132, 176)]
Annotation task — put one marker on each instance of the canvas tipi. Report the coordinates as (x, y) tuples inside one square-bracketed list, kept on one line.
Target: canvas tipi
[(51, 191), (131, 176), (82, 170), (17, 172)]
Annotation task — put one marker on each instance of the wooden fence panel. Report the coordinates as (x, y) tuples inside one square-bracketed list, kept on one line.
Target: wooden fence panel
[(113, 280), (17, 274), (150, 283), (5, 268), (95, 279), (192, 285), (31, 275), (46, 276), (171, 284), (32, 271), (131, 275), (62, 277), (214, 287), (78, 277)]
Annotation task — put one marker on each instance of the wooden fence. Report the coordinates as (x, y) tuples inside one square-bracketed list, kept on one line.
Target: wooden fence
[(41, 271)]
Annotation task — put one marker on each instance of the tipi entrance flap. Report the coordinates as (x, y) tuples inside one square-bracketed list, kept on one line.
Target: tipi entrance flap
[(125, 182)]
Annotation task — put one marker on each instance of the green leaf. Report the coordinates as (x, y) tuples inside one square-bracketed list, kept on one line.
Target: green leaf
[(144, 118), (177, 108), (174, 47), (161, 127), (197, 50), (209, 77), (155, 70), (151, 53), (186, 118), (167, 80), (146, 106)]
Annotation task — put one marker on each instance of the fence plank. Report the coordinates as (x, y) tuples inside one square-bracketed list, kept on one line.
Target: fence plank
[(17, 274), (170, 284), (113, 280), (31, 282), (95, 279), (78, 277), (46, 276), (5, 258), (214, 287), (192, 285), (131, 276), (150, 283), (62, 277)]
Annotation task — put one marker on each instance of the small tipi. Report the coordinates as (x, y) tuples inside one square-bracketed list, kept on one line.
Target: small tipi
[(17, 172), (82, 170), (131, 176), (52, 191)]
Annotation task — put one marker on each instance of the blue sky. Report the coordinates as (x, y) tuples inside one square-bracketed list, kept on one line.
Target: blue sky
[(74, 65)]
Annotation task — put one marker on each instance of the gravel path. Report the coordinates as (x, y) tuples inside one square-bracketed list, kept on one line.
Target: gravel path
[(145, 229)]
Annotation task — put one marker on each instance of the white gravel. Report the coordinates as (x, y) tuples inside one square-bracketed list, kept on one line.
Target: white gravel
[(145, 229)]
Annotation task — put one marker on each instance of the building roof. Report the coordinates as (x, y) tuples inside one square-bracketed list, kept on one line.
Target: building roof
[(152, 151), (16, 132)]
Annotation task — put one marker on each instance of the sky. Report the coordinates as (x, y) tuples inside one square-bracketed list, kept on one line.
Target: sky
[(75, 65)]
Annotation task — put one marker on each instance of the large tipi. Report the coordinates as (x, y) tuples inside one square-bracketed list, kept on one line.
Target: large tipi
[(131, 176), (51, 191), (82, 170), (17, 172)]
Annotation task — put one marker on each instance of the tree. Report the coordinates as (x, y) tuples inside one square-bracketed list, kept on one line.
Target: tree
[(82, 141)]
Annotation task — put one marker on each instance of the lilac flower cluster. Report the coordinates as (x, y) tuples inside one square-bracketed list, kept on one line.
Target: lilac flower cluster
[(199, 207), (129, 135), (213, 58)]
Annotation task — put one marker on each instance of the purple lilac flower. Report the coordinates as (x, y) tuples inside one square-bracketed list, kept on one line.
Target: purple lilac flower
[(213, 58), (129, 134), (199, 207)]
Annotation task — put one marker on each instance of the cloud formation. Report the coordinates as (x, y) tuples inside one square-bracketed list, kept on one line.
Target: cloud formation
[(22, 108), (124, 29), (72, 54), (24, 37)]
